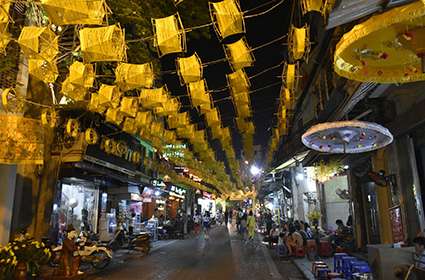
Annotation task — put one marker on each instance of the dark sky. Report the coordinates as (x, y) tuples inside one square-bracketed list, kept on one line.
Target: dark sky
[(259, 30)]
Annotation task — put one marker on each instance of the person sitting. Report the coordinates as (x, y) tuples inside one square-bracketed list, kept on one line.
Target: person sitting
[(343, 236), (294, 240), (419, 257), (273, 235), (282, 250)]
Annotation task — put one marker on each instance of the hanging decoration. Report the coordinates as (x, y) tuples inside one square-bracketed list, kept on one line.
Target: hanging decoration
[(109, 96), (171, 107), (72, 128), (129, 126), (43, 70), (239, 54), (324, 171), (65, 12), (114, 115), (386, 48), (49, 118), (238, 81), (189, 69), (94, 105), (23, 139), (299, 42), (91, 136), (151, 98), (4, 22), (169, 35), (199, 95), (186, 132), (133, 76), (290, 76), (129, 106), (81, 78), (38, 43), (347, 137), (103, 44), (178, 121), (143, 119), (322, 6), (243, 110), (213, 118), (227, 17)]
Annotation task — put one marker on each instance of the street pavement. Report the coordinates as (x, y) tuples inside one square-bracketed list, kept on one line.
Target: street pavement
[(223, 256)]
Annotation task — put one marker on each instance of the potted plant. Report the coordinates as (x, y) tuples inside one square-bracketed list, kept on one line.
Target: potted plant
[(23, 256)]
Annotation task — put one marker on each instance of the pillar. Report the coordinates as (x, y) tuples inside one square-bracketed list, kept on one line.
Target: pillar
[(383, 197), (7, 195)]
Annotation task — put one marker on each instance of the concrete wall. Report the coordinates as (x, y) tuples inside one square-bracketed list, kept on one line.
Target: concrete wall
[(336, 208)]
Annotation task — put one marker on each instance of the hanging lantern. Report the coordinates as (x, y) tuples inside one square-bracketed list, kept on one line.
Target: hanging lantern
[(129, 106), (151, 98), (114, 115), (186, 132), (178, 120), (73, 92), (216, 132), (198, 93), (168, 108), (43, 70), (76, 12), (299, 42), (227, 17), (129, 126), (156, 129), (169, 35), (241, 98), (347, 137), (312, 5), (243, 110), (103, 44), (39, 43), (386, 48), (109, 96), (290, 76), (189, 69), (4, 22), (132, 76), (239, 54), (143, 119), (213, 118), (169, 136), (49, 118), (94, 105), (287, 97), (238, 81), (91, 136), (4, 11), (81, 75), (72, 128)]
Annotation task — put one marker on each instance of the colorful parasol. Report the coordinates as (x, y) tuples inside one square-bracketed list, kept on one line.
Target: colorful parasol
[(387, 48), (347, 137)]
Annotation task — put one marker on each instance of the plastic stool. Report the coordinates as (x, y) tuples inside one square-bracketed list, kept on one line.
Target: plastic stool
[(299, 252), (317, 268), (357, 266), (316, 263), (361, 269), (334, 275), (337, 261), (325, 248)]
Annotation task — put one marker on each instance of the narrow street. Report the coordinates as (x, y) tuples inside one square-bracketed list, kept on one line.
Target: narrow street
[(221, 257)]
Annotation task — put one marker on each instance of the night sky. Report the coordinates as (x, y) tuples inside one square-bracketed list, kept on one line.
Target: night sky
[(259, 30)]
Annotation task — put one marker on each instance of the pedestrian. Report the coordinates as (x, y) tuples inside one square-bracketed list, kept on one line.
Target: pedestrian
[(206, 222), (251, 223), (243, 225), (226, 217), (197, 223)]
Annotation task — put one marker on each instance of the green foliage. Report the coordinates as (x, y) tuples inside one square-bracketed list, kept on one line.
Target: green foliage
[(135, 16)]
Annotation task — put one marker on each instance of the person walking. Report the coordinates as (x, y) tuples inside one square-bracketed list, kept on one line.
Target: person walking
[(206, 224), (251, 223), (226, 217)]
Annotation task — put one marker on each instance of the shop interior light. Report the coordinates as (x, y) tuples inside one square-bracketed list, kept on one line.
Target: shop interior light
[(157, 193), (255, 170), (299, 176)]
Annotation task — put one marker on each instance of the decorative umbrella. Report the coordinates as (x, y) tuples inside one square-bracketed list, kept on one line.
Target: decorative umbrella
[(387, 48), (347, 137)]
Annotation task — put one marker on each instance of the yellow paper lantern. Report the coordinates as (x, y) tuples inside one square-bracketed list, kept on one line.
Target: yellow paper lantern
[(81, 74), (169, 35), (132, 76), (76, 93), (198, 93), (298, 42), (39, 43), (243, 110), (213, 118), (189, 69), (43, 70), (109, 96), (65, 12), (239, 54), (186, 132), (238, 81), (151, 98), (168, 108), (4, 37), (178, 120), (143, 119), (103, 44), (114, 115), (129, 106), (227, 17), (129, 126), (94, 105), (386, 48), (290, 76)]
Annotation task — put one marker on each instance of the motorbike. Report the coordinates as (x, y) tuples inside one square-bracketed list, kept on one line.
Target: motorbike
[(91, 253), (137, 242)]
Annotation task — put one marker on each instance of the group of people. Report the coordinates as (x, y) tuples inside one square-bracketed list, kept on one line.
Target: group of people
[(202, 222), (245, 224)]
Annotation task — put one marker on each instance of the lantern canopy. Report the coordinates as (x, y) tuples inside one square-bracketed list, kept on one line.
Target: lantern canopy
[(347, 137), (103, 44), (198, 93), (169, 35), (227, 17), (386, 48), (39, 43), (65, 12)]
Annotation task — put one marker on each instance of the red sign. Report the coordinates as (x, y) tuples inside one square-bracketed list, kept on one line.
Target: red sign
[(396, 224)]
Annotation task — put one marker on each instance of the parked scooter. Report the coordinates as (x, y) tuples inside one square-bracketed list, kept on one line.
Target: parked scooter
[(138, 242), (91, 253)]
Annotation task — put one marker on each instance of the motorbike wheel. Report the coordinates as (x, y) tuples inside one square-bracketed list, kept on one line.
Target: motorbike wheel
[(101, 260)]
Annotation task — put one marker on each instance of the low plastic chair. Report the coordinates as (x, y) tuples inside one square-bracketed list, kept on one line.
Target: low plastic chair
[(337, 261)]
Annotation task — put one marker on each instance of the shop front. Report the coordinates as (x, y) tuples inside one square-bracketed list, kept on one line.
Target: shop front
[(206, 202)]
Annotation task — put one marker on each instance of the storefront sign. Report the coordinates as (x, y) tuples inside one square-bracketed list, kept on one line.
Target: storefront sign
[(120, 149), (207, 195), (178, 190)]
